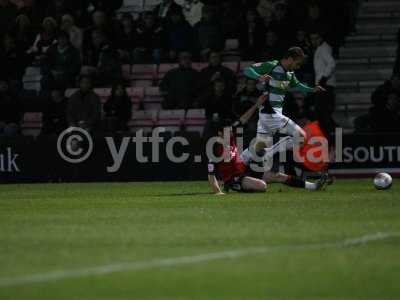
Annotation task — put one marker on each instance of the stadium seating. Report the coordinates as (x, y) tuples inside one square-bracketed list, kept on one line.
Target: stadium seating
[(231, 51), (233, 65), (195, 120), (152, 98), (353, 98), (126, 71), (163, 69), (171, 120), (143, 119), (103, 93), (143, 75), (136, 94), (32, 82), (32, 123)]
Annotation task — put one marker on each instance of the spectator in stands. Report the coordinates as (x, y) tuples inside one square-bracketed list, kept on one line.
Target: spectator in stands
[(209, 33), (127, 38), (272, 48), (118, 109), (179, 35), (298, 108), (61, 65), (100, 22), (251, 36), (381, 118), (265, 9), (229, 15), (54, 113), (215, 70), (11, 111), (218, 105), (324, 63), (8, 13), (280, 25), (84, 107), (387, 119), (74, 32), (149, 40), (244, 99), (46, 38), (101, 61), (180, 85), (324, 69), (57, 8), (192, 10), (165, 9), (109, 7), (314, 19), (306, 72), (379, 96), (13, 62), (23, 33)]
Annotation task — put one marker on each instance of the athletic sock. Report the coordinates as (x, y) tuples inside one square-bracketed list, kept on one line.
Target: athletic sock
[(296, 182), (311, 186)]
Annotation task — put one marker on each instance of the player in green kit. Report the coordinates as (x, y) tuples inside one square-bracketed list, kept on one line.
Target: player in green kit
[(278, 78)]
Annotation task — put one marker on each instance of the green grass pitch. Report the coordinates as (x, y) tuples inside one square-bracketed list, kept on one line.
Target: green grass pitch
[(148, 238)]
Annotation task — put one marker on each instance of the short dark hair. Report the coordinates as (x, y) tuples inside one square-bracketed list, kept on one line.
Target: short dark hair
[(295, 53)]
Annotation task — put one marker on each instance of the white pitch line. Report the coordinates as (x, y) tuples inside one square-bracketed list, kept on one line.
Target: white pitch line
[(185, 260)]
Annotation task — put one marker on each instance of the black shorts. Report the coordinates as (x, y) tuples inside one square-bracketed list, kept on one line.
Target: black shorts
[(235, 183)]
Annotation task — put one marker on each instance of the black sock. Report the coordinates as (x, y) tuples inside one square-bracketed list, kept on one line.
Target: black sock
[(295, 181)]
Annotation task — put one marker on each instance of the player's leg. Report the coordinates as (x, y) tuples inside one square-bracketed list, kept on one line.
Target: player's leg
[(251, 184), (265, 155), (294, 181), (289, 127), (266, 128)]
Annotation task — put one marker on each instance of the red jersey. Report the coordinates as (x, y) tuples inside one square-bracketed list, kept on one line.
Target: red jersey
[(231, 164)]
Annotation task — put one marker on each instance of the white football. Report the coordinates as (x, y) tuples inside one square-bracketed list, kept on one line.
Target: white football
[(383, 181)]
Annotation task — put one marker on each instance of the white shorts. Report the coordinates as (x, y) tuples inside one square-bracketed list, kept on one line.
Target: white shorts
[(270, 124)]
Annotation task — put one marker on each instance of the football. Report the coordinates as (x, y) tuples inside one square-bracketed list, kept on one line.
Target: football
[(383, 181)]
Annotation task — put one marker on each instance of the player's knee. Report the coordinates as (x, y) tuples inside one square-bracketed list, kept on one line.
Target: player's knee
[(261, 186), (274, 177), (269, 176), (302, 133)]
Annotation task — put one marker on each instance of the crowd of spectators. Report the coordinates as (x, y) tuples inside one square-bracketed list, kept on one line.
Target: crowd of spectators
[(84, 43)]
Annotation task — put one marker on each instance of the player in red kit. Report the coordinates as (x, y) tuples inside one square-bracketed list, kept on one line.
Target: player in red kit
[(227, 164)]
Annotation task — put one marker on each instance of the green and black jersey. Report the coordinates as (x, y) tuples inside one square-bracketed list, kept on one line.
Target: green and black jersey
[(281, 82)]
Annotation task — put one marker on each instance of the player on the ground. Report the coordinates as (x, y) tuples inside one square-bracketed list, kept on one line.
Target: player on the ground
[(236, 171), (228, 165), (278, 78)]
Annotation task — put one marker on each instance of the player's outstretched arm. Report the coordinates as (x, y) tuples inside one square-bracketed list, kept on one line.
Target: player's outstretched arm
[(297, 86), (250, 112), (251, 73), (259, 71), (212, 180)]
